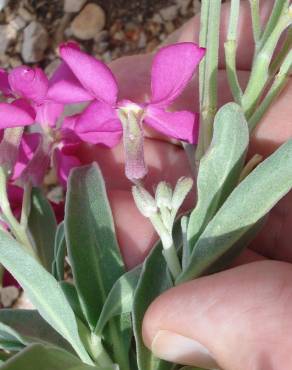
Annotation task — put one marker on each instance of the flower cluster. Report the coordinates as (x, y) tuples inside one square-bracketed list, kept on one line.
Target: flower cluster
[(53, 138)]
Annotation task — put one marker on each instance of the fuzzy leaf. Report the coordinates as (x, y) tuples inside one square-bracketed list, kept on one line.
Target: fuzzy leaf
[(120, 298), (249, 202), (42, 225), (91, 240), (220, 167), (43, 291)]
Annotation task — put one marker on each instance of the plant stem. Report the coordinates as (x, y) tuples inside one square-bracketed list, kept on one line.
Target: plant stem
[(256, 23), (278, 85), (18, 231), (172, 261), (260, 70), (251, 164), (26, 205), (230, 47), (279, 6), (278, 60), (209, 38)]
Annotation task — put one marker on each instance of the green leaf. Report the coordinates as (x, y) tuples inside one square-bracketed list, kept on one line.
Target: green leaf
[(120, 298), (250, 201), (73, 299), (219, 168), (42, 225), (10, 340), (59, 252), (91, 240), (29, 327), (43, 291), (154, 280), (37, 356)]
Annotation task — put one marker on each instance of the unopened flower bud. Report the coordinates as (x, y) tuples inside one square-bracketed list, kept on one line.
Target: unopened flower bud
[(181, 190), (163, 195), (144, 201)]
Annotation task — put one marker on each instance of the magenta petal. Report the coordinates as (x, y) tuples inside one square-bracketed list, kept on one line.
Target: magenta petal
[(65, 88), (98, 124), (64, 164), (181, 125), (27, 148), (18, 113), (172, 68), (93, 74), (4, 84), (68, 130), (48, 113), (30, 83)]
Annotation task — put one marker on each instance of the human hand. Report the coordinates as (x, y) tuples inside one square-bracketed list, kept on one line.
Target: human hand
[(241, 315)]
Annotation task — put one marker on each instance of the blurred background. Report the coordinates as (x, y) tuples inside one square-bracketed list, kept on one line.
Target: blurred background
[(31, 30)]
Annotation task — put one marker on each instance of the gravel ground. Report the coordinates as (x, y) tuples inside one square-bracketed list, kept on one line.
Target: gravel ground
[(31, 30)]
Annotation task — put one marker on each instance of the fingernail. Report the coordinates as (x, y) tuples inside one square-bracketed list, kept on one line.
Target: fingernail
[(176, 348)]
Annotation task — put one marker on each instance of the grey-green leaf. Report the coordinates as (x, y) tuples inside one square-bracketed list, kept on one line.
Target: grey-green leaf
[(250, 201), (43, 291), (219, 168), (91, 241), (30, 327), (42, 225), (37, 356), (154, 280), (120, 298), (59, 252)]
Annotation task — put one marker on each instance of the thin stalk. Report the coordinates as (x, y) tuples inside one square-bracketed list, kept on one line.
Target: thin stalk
[(208, 73), (169, 250), (280, 81), (260, 70), (279, 6), (277, 62), (251, 164), (172, 261), (17, 230), (256, 22), (230, 47), (26, 205)]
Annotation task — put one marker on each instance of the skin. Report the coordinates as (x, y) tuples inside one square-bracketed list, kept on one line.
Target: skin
[(249, 305)]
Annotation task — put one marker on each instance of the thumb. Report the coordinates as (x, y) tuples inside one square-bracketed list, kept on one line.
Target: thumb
[(234, 320)]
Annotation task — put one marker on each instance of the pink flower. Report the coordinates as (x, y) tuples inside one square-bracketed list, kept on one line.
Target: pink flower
[(172, 68), (100, 123), (31, 86)]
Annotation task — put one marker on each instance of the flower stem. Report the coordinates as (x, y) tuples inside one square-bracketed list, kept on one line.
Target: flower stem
[(172, 261), (16, 228), (260, 70), (209, 38), (26, 205), (256, 23), (280, 57), (230, 47), (278, 85)]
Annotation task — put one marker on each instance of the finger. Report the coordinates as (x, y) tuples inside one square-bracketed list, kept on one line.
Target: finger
[(237, 319), (135, 233), (274, 240)]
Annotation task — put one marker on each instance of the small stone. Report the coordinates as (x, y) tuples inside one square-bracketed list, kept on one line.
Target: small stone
[(15, 62), (119, 36), (169, 27), (102, 36), (107, 57), (50, 68), (7, 35), (8, 295), (35, 42), (157, 18), (73, 6), (89, 22), (197, 6), (25, 14), (183, 6), (142, 40), (18, 23), (3, 3), (169, 13), (23, 302)]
